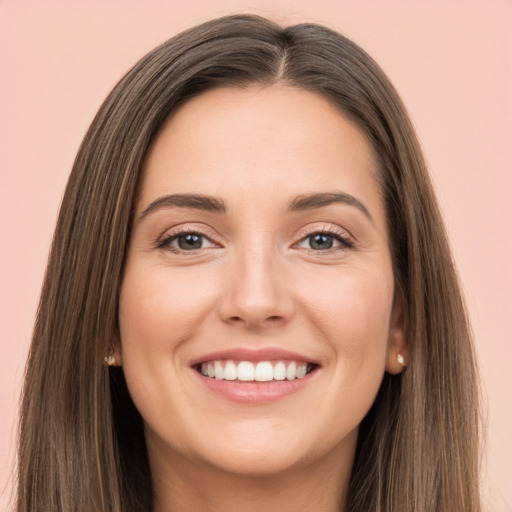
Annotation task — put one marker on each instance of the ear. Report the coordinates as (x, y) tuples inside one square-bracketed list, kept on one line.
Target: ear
[(398, 348), (114, 356)]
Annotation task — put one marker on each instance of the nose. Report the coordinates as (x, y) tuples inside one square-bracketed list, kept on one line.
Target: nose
[(257, 293)]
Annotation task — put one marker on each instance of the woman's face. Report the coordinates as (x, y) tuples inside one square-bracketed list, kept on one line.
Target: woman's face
[(259, 253)]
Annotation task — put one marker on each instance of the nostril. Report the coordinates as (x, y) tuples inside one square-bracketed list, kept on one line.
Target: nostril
[(256, 320)]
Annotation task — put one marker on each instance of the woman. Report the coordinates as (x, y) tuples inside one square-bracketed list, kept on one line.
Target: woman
[(250, 301)]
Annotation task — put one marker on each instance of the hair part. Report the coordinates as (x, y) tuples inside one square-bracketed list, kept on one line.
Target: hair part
[(81, 440)]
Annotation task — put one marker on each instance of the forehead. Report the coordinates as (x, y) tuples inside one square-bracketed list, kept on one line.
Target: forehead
[(277, 141)]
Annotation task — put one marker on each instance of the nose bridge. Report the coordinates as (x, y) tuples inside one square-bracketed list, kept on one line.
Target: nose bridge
[(257, 293)]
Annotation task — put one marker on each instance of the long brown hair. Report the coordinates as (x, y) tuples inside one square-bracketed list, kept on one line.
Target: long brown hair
[(81, 441)]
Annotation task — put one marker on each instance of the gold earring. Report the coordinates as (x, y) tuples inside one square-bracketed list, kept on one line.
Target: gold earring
[(110, 359), (400, 359)]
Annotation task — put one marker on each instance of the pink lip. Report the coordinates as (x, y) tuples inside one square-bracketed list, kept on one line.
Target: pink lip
[(255, 392), (244, 354)]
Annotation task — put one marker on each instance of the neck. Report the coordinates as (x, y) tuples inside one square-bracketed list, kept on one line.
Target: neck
[(188, 486)]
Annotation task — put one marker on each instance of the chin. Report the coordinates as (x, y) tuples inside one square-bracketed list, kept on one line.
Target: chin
[(255, 463), (262, 450)]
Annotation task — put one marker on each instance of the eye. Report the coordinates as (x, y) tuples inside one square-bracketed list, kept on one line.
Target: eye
[(186, 241), (325, 241)]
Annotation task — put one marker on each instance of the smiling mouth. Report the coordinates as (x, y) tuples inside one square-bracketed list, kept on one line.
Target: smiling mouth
[(262, 371)]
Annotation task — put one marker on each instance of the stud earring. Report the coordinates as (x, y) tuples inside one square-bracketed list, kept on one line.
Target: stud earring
[(110, 359), (400, 359)]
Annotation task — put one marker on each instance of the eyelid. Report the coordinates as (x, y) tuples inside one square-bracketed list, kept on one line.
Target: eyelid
[(162, 240), (344, 237)]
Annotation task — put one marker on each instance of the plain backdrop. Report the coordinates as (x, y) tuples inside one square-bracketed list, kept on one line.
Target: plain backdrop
[(451, 61)]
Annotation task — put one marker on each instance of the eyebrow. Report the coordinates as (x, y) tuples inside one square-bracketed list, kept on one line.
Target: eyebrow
[(193, 201), (312, 201), (217, 205)]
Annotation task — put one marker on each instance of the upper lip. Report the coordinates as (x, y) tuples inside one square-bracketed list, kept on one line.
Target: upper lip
[(254, 355)]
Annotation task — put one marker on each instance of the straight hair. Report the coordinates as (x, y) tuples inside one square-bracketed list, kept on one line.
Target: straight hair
[(81, 439)]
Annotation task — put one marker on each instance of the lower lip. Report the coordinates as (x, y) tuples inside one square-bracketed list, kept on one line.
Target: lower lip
[(255, 392)]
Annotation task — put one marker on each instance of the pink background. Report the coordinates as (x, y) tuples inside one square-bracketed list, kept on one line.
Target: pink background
[(451, 60)]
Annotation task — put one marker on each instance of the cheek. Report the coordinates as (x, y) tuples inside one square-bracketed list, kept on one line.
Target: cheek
[(353, 315), (356, 303), (159, 308), (351, 310), (159, 311)]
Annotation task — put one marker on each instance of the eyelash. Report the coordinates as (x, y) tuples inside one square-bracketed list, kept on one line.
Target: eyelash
[(338, 235), (164, 243)]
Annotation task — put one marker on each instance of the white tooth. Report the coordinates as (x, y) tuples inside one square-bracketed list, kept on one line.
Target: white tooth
[(230, 371), (211, 371), (291, 370), (280, 371), (245, 371), (301, 371), (204, 369), (264, 371), (219, 371)]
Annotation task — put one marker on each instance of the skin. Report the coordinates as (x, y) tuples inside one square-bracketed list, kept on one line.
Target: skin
[(257, 281)]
